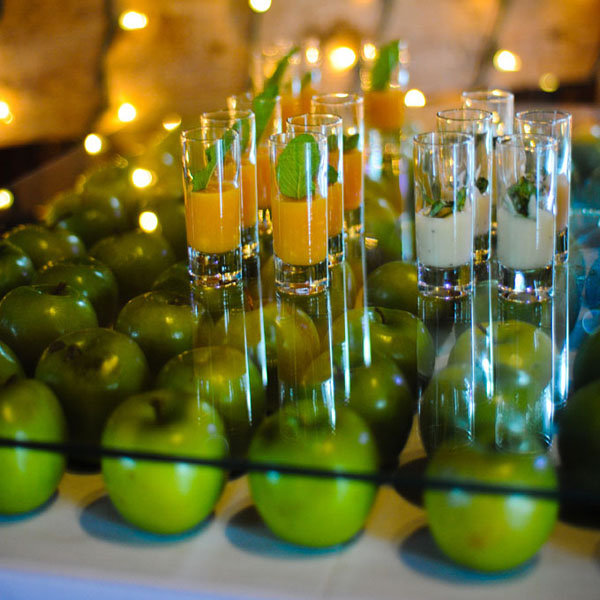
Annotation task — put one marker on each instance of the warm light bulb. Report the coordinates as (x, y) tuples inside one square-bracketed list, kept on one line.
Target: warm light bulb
[(171, 122), (505, 60), (127, 112), (93, 143), (369, 51), (4, 110), (414, 98), (342, 58), (312, 55), (132, 19), (142, 178), (148, 221), (549, 82), (6, 199), (259, 6)]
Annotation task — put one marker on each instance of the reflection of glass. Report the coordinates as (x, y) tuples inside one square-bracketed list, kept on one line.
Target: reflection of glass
[(556, 124), (212, 193), (243, 122), (299, 211), (526, 168), (443, 164), (350, 108), (477, 123), (331, 127), (267, 113)]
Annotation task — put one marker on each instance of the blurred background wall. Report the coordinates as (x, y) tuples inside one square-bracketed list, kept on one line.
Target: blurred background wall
[(66, 68)]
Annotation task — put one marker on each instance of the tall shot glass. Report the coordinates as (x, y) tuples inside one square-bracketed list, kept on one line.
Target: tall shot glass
[(299, 212), (556, 124), (331, 127), (350, 108), (477, 123), (444, 167), (212, 195), (526, 168)]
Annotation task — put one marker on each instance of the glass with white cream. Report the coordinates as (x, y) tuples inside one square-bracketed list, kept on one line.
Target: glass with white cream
[(526, 169), (443, 190)]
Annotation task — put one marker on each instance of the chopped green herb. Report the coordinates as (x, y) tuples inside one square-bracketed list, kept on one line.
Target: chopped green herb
[(387, 60), (482, 184), (520, 193), (332, 142), (350, 142), (332, 175), (461, 198), (440, 208), (272, 84), (201, 177), (297, 166)]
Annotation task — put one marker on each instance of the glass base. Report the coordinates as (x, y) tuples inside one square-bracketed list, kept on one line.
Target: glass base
[(525, 285), (562, 246), (336, 249), (445, 282), (216, 269), (265, 225), (354, 222), (249, 241), (301, 279)]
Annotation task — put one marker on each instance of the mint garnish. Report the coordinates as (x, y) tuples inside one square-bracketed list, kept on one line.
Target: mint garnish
[(350, 142), (201, 177), (332, 175), (295, 171), (306, 80), (440, 208), (387, 60), (482, 185), (520, 193)]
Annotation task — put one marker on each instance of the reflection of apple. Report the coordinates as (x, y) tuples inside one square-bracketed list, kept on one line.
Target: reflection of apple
[(136, 259), (175, 278), (394, 285), (29, 411), (92, 371), (32, 316), (9, 364), (490, 532), (342, 288), (164, 497), (312, 511), (223, 377), (383, 237), (91, 278), (16, 267), (162, 323)]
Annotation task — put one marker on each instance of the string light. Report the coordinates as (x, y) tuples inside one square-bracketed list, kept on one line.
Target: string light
[(312, 55), (142, 178), (505, 60), (549, 82), (171, 122), (6, 199), (148, 221), (126, 112), (414, 98), (93, 143), (131, 19), (342, 58), (5, 113), (260, 6), (369, 51)]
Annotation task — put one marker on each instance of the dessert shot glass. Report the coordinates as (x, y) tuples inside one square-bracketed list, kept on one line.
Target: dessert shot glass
[(299, 212), (556, 124), (331, 127), (526, 168), (443, 190), (212, 195), (350, 108)]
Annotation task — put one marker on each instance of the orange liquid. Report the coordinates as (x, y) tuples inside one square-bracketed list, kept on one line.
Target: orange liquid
[(335, 209), (290, 106), (353, 179), (300, 230), (384, 109), (306, 95), (248, 193), (212, 219), (263, 177)]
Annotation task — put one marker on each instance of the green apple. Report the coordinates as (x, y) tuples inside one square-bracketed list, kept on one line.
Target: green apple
[(29, 412), (136, 259), (490, 531), (227, 380), (343, 290), (16, 267), (162, 323), (91, 371), (164, 497), (9, 364), (42, 244), (175, 278), (307, 510), (383, 238), (93, 279), (394, 285), (32, 316)]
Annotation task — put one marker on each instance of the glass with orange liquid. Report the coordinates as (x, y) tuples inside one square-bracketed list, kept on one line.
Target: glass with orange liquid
[(331, 127), (243, 122), (350, 108), (213, 205), (299, 212), (267, 112)]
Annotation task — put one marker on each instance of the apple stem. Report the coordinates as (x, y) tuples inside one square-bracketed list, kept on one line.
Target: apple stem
[(60, 289), (159, 409)]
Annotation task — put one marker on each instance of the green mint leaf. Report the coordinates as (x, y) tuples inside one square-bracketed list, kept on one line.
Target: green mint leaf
[(243, 129), (306, 80), (332, 142), (350, 142), (482, 185), (295, 171), (201, 177), (272, 84), (461, 198), (436, 208), (387, 60), (262, 107), (520, 193), (332, 175)]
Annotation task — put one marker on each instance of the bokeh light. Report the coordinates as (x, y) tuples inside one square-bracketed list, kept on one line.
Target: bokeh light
[(142, 178), (342, 58), (414, 98), (126, 112), (6, 199), (505, 60), (93, 143), (131, 19), (148, 221), (259, 6), (171, 122), (549, 82)]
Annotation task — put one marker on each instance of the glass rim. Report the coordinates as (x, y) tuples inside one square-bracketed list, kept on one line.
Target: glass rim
[(327, 118), (547, 116), (440, 139), (338, 99), (516, 140), (494, 95), (454, 114), (205, 135), (284, 137), (226, 115)]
